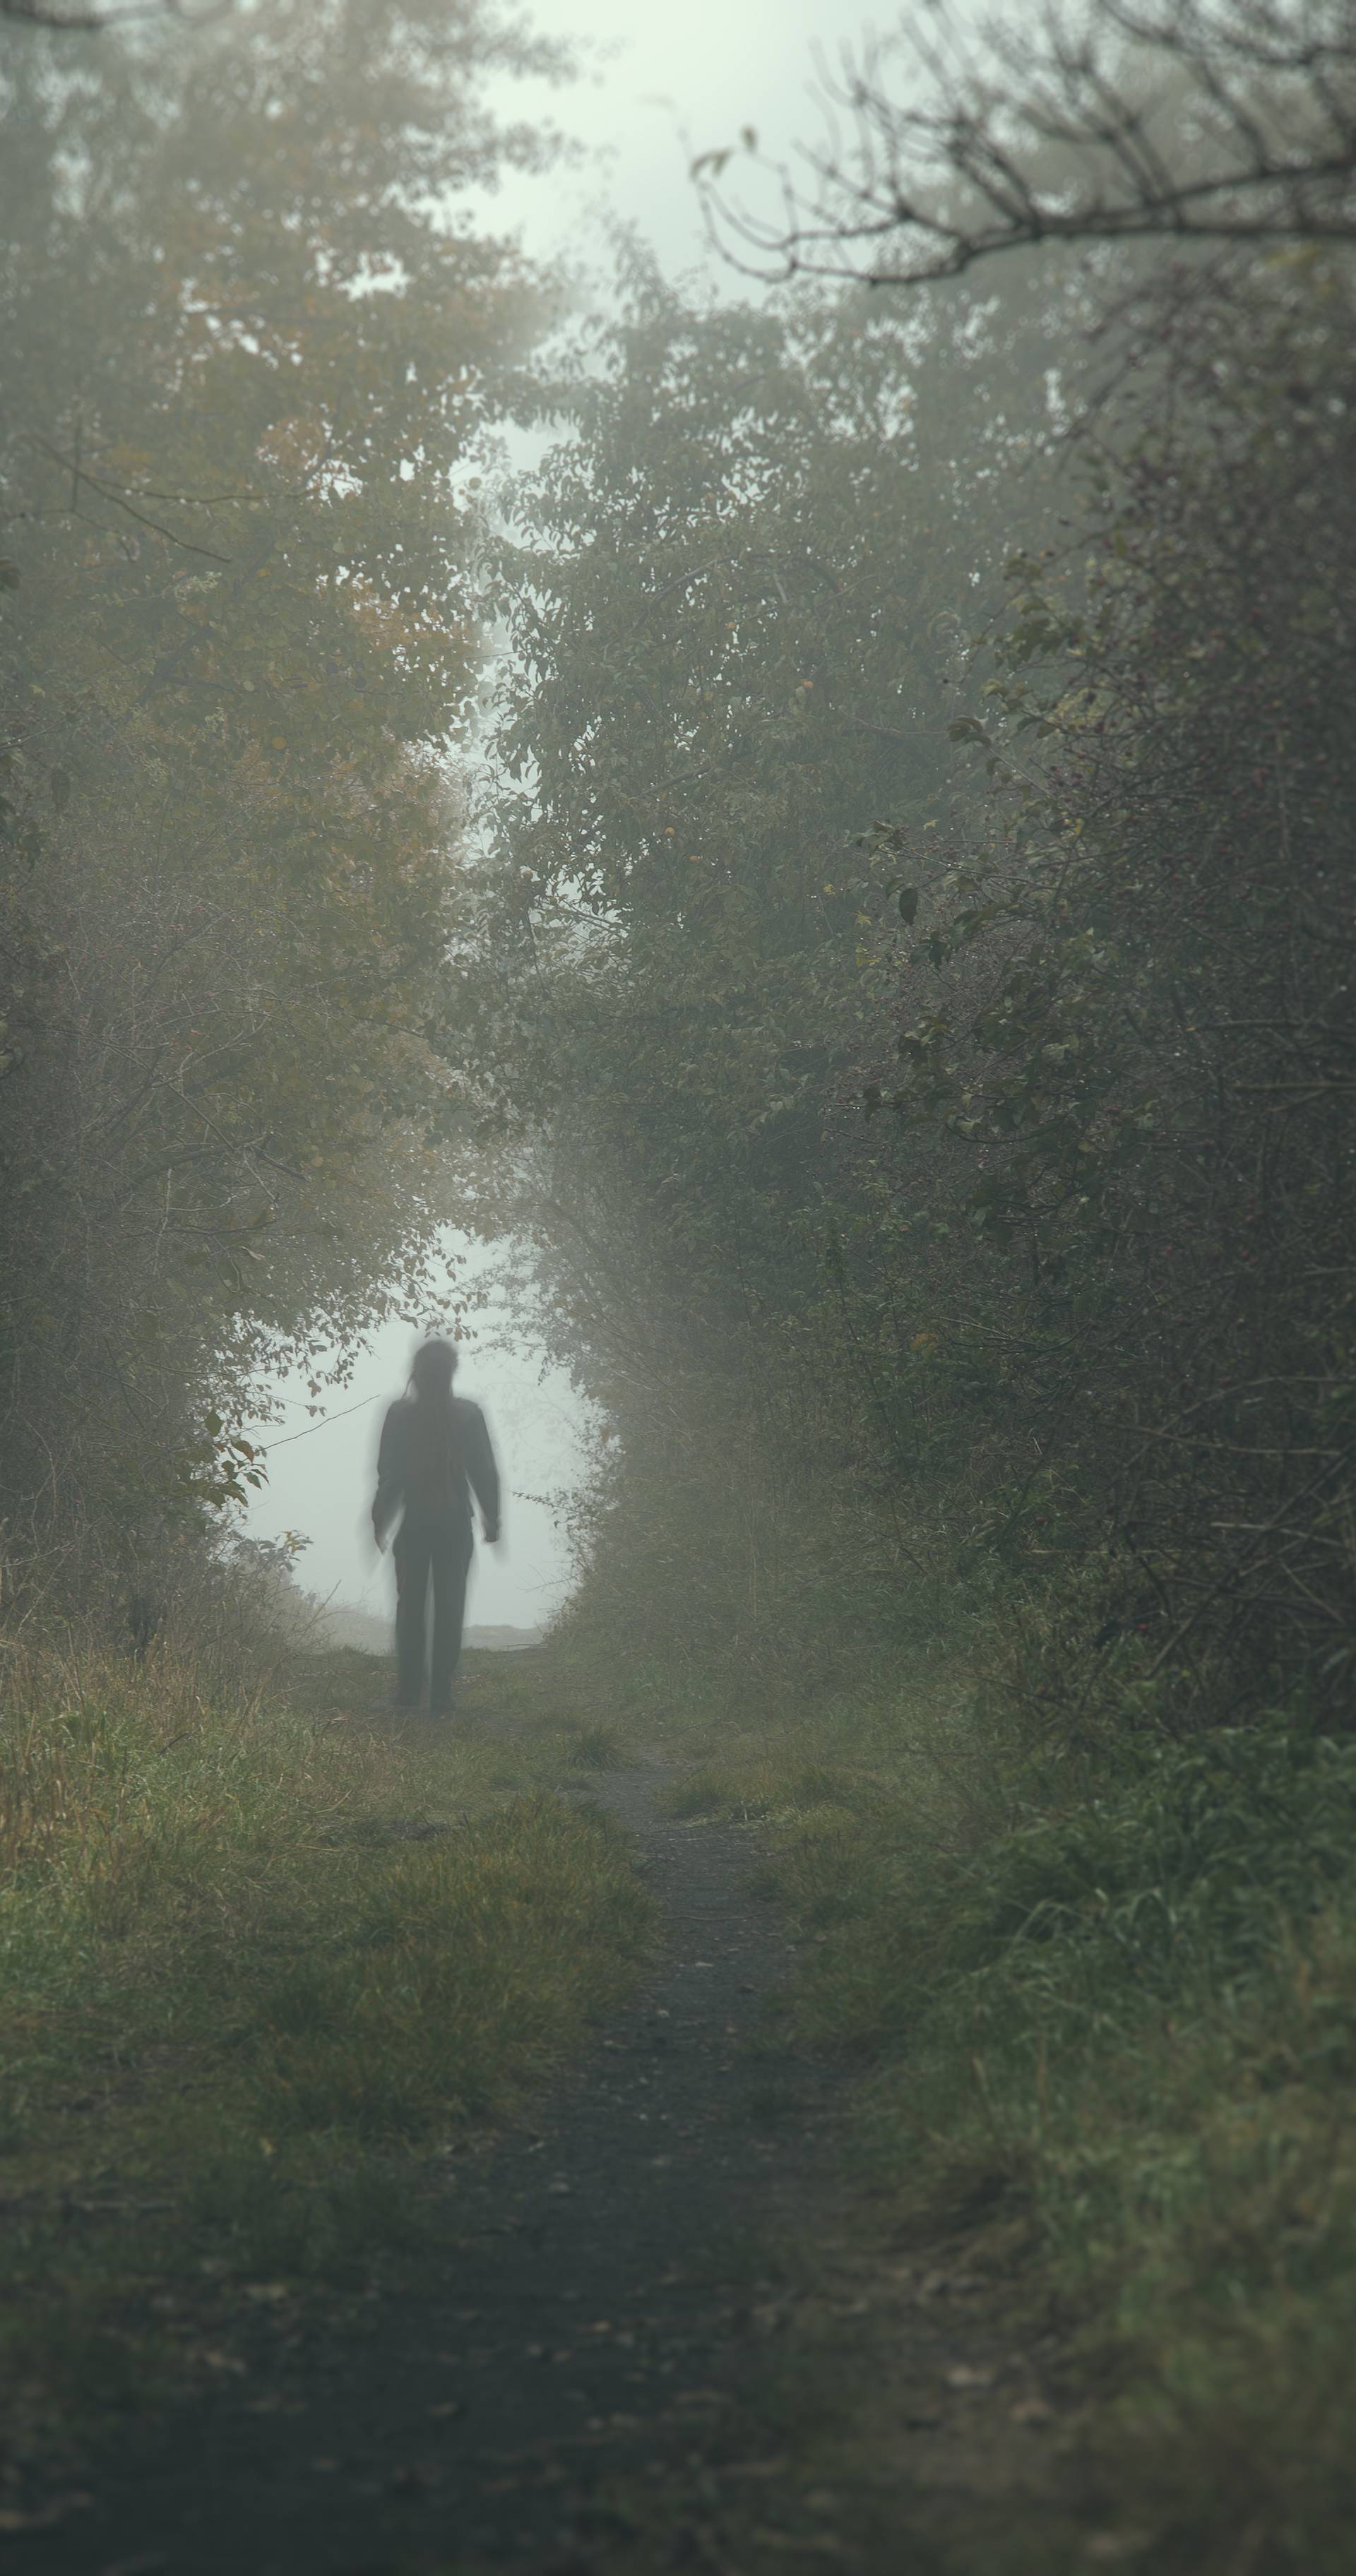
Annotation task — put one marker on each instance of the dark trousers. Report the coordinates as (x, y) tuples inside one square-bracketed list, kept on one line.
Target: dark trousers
[(436, 1553)]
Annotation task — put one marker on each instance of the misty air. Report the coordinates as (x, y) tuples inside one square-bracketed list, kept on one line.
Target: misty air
[(678, 1287)]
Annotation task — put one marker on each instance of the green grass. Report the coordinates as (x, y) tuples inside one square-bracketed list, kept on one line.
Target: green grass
[(594, 1748), (1104, 2003), (1127, 2028), (264, 1969)]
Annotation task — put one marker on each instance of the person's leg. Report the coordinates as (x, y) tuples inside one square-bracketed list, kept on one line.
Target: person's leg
[(412, 1553), (451, 1564)]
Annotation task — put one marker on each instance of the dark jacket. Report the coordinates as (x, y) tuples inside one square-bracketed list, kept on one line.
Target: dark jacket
[(431, 1461)]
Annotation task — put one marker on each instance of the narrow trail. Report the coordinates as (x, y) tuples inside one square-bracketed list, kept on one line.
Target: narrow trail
[(585, 2322)]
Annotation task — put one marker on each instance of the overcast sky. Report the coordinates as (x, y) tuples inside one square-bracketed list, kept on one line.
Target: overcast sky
[(657, 85), (660, 82)]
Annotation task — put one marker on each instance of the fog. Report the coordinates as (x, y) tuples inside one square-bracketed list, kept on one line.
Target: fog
[(777, 866), (321, 1456), (658, 87), (655, 88)]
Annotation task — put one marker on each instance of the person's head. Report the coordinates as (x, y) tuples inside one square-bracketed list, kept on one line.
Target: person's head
[(433, 1370)]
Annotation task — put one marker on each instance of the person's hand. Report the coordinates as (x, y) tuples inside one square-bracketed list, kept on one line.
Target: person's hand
[(494, 1537)]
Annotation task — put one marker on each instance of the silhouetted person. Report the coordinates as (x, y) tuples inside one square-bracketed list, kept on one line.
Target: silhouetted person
[(435, 1452)]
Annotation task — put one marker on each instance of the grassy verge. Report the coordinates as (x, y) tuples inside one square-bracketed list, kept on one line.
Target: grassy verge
[(264, 1967), (1106, 2006)]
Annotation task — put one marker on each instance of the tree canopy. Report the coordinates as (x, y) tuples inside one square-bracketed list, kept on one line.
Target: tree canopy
[(252, 348), (923, 912)]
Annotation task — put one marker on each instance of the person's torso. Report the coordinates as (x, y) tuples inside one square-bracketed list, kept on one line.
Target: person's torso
[(435, 1440)]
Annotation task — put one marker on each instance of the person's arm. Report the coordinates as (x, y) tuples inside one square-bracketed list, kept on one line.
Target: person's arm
[(390, 1491), (481, 1471)]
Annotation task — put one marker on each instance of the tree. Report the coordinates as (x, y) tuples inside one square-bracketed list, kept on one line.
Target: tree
[(1207, 124), (983, 1195), (739, 608), (252, 350), (1136, 1013)]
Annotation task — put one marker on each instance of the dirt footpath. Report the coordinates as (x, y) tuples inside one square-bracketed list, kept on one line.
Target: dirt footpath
[(603, 2274)]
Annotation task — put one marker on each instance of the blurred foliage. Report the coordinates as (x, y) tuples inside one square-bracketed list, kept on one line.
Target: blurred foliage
[(937, 1012), (251, 345), (1136, 1011), (739, 596)]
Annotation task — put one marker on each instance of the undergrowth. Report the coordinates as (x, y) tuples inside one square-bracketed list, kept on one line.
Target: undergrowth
[(263, 1973), (1104, 2002)]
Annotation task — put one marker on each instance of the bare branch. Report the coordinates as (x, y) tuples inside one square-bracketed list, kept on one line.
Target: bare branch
[(1211, 121), (118, 496)]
